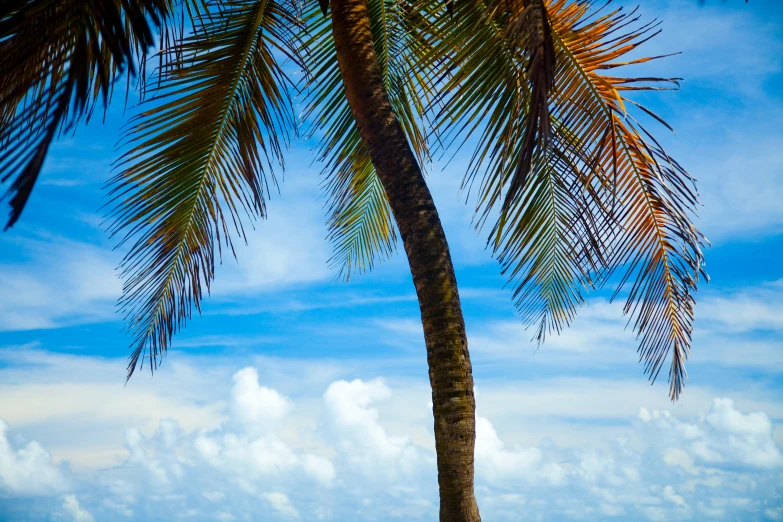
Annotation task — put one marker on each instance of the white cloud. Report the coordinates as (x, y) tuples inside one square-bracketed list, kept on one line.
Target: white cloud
[(53, 281), (320, 468), (599, 335), (160, 459), (257, 407), (677, 457), (723, 437), (28, 470), (724, 417), (670, 495), (654, 513), (757, 308), (369, 448), (214, 496), (497, 464), (255, 448), (38, 387), (75, 510), (281, 504), (122, 509), (711, 511), (328, 452), (287, 248)]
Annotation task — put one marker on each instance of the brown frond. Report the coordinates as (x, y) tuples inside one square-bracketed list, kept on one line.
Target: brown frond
[(528, 26), (58, 58), (653, 198)]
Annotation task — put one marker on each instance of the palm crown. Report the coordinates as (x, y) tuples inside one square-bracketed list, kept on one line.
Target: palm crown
[(575, 188), (573, 191)]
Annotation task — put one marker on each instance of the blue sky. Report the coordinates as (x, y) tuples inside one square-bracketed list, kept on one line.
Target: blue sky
[(298, 397)]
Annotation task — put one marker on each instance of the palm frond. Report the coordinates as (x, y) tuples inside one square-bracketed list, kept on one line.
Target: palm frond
[(601, 194), (361, 225), (201, 155), (58, 58), (656, 244), (547, 236), (528, 27), (549, 239)]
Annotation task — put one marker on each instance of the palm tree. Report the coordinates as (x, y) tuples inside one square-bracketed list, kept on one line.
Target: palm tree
[(574, 187)]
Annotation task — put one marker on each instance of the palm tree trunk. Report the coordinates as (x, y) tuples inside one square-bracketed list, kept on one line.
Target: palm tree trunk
[(414, 210)]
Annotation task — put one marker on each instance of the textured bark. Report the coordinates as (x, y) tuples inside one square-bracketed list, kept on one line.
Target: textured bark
[(428, 254)]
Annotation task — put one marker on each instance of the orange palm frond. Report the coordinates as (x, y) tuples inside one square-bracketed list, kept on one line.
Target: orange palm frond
[(579, 188), (653, 197)]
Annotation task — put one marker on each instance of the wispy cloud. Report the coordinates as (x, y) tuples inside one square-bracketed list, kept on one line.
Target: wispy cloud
[(746, 309), (55, 281), (727, 111), (735, 329), (50, 281)]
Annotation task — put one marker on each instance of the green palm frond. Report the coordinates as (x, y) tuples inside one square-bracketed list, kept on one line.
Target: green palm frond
[(600, 194), (203, 152), (57, 59), (549, 237), (546, 235), (361, 225)]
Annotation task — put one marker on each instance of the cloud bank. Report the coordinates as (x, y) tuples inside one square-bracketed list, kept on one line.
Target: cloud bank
[(334, 457)]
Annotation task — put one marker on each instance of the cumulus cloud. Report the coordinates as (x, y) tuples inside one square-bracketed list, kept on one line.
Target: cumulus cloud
[(74, 510), (28, 470), (258, 408), (281, 504), (248, 455), (356, 429), (495, 463), (337, 457), (723, 437), (320, 468), (251, 442)]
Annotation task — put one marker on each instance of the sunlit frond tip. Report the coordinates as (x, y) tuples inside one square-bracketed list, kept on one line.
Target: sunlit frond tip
[(199, 157), (654, 244)]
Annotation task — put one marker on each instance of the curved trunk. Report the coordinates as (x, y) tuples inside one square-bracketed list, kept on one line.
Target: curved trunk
[(428, 256)]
